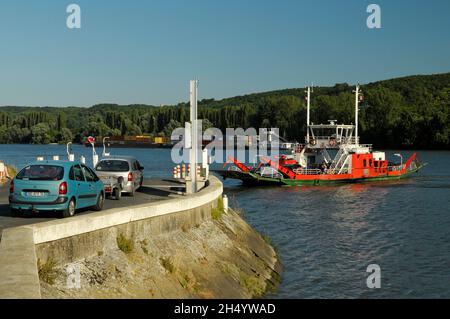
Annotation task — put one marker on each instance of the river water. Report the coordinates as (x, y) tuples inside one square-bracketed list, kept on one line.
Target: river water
[(327, 236)]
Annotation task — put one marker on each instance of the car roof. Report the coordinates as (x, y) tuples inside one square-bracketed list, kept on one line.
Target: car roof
[(119, 157), (56, 163)]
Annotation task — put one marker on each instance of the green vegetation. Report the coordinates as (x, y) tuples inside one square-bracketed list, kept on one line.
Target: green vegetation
[(11, 171), (47, 271), (188, 282), (185, 227), (253, 285), (126, 245), (144, 244), (168, 265), (267, 239), (405, 112), (216, 213)]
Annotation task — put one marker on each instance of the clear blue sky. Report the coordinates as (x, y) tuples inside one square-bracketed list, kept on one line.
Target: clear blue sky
[(140, 51)]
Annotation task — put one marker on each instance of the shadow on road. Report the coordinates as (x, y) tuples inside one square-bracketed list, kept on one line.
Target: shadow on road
[(5, 212), (148, 190)]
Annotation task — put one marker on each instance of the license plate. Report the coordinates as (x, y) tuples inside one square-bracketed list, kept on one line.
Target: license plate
[(35, 194)]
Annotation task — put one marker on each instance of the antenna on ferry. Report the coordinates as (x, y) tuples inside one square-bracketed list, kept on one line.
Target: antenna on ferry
[(308, 107), (357, 92)]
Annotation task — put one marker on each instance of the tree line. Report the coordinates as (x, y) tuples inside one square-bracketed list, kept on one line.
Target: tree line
[(409, 112)]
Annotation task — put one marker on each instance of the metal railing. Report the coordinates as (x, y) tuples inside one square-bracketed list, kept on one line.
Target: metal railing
[(316, 171), (270, 172), (307, 171), (331, 141), (234, 169), (396, 168)]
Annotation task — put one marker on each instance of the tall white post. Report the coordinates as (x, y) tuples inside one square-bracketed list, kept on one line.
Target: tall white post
[(94, 155), (194, 138), (356, 114), (308, 106)]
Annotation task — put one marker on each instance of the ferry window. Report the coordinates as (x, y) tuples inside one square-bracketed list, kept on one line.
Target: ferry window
[(370, 162), (365, 163), (375, 163)]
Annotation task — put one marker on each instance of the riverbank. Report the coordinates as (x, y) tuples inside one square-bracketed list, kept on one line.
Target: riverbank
[(219, 258)]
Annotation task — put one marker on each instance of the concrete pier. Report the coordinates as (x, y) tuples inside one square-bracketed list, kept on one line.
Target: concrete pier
[(18, 246), (180, 246)]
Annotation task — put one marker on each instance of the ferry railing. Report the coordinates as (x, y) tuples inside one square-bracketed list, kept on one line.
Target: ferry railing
[(396, 168), (316, 171), (307, 171), (331, 141), (235, 169), (270, 172)]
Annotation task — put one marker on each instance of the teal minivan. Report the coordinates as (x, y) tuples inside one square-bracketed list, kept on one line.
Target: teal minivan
[(54, 186)]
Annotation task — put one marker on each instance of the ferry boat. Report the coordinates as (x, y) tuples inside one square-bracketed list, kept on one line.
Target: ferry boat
[(332, 153)]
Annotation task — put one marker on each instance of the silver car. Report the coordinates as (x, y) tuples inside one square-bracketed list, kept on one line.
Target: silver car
[(127, 168)]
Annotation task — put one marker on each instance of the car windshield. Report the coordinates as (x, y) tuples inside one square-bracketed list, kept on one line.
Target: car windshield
[(41, 173), (112, 166)]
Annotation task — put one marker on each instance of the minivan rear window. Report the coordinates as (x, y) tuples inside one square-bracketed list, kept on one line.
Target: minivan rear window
[(112, 166), (41, 173)]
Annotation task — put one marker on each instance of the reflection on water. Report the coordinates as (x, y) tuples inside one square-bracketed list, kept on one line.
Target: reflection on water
[(328, 235)]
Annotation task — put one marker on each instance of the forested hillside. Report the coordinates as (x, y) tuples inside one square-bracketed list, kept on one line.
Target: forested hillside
[(410, 112)]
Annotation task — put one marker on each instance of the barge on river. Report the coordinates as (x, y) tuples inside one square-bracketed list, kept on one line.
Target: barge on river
[(331, 154)]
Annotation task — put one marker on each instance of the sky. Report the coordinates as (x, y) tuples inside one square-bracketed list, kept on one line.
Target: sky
[(140, 51)]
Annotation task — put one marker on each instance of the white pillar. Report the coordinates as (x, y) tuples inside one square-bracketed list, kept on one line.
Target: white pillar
[(225, 203), (205, 163), (94, 160), (70, 155), (308, 106), (194, 136)]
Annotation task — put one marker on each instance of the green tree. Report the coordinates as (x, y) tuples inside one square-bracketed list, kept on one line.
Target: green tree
[(65, 135), (40, 134)]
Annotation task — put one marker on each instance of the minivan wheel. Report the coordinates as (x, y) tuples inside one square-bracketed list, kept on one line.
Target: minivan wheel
[(100, 202), (140, 183), (70, 210)]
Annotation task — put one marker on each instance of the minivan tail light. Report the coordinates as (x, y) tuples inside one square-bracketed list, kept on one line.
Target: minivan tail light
[(63, 188), (11, 187), (130, 176)]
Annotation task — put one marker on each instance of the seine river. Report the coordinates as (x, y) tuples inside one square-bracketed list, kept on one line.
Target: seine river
[(327, 236)]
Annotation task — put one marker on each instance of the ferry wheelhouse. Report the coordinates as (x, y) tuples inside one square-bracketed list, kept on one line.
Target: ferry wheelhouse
[(332, 153)]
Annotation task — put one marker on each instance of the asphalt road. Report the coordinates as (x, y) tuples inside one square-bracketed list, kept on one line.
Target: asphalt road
[(152, 190)]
